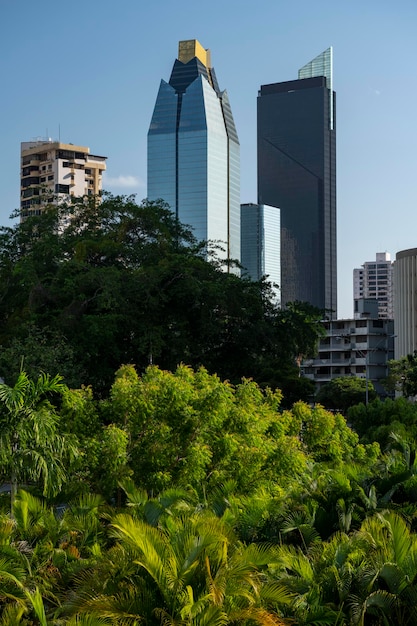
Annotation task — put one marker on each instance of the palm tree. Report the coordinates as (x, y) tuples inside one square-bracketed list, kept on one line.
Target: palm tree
[(42, 553), (387, 579), (152, 510), (31, 447), (190, 570), (319, 580)]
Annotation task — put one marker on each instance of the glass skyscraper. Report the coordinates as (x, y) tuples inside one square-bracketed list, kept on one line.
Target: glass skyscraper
[(259, 244), (193, 150), (297, 174)]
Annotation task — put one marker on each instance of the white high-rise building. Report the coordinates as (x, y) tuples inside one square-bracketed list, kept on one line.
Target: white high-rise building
[(52, 172), (375, 280), (405, 302)]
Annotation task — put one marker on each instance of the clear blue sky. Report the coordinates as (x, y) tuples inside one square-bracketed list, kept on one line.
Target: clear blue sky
[(92, 69)]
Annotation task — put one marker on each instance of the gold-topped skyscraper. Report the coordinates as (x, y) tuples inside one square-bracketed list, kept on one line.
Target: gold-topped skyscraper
[(194, 152), (191, 48)]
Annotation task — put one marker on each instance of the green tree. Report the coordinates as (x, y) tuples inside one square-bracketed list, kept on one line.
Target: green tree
[(39, 350), (341, 393), (301, 321), (318, 578), (192, 570), (126, 283), (102, 459), (403, 375), (31, 446), (48, 552), (190, 429), (186, 428), (377, 420), (387, 591)]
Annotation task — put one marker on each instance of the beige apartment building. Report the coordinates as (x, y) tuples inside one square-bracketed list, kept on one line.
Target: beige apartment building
[(53, 172)]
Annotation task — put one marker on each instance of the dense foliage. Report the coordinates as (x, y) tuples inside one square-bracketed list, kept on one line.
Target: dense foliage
[(126, 283), (215, 506), (167, 495), (403, 375), (341, 393)]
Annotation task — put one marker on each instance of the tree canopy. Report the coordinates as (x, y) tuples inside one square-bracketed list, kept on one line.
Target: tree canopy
[(126, 283), (403, 375), (32, 447), (191, 500), (186, 491), (341, 393)]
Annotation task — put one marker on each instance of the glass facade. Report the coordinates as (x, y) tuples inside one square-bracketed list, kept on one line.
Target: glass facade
[(162, 147), (260, 249), (321, 65), (297, 173), (194, 153)]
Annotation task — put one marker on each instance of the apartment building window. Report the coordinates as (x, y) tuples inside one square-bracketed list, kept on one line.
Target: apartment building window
[(59, 188), (33, 157), (361, 338), (31, 180), (26, 171), (26, 193)]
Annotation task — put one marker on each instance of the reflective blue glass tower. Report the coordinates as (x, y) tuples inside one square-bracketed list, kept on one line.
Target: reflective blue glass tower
[(260, 244), (193, 150)]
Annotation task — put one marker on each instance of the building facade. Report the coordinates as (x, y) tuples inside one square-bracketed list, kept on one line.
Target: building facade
[(405, 302), (194, 152), (375, 280), (52, 172), (354, 347), (297, 173), (259, 244)]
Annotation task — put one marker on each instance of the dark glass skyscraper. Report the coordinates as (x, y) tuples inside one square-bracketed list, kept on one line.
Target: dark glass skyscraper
[(297, 173), (193, 150)]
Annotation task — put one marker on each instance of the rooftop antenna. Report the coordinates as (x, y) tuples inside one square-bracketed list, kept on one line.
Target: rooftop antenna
[(59, 133)]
